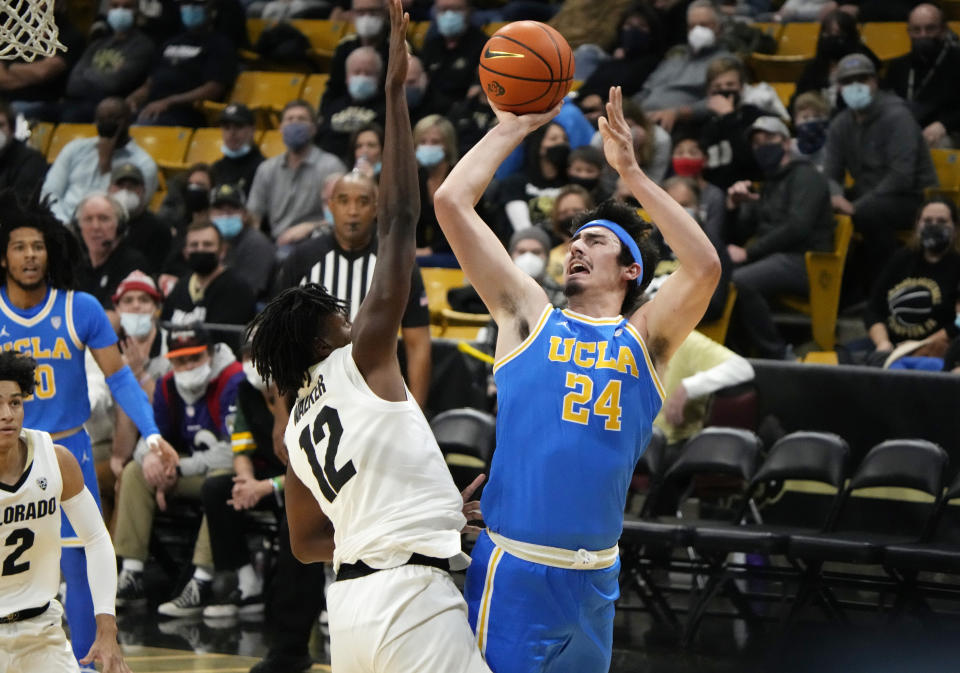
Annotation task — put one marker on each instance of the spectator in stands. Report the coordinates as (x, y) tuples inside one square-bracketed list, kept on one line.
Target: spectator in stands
[(530, 251), (651, 142), (436, 148), (699, 368), (102, 222), (839, 37), (21, 167), (114, 65), (34, 88), (879, 143), (192, 406), (370, 27), (811, 119), (451, 55), (724, 133), (137, 302), (213, 293), (637, 53), (249, 251), (85, 164), (585, 168), (928, 78), (789, 216), (676, 90), (241, 155), (366, 149), (286, 188), (422, 99), (362, 104), (917, 294), (351, 248), (198, 64), (546, 151), (570, 202), (689, 161), (188, 199), (144, 231)]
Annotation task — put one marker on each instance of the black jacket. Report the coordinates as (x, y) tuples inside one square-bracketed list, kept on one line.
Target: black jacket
[(935, 94)]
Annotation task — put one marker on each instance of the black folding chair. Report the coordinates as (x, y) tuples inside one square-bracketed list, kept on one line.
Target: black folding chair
[(467, 438)]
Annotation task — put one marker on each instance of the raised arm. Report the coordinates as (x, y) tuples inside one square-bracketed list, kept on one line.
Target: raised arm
[(513, 298), (681, 301), (375, 328)]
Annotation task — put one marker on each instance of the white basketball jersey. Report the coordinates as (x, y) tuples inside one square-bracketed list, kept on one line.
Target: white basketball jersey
[(30, 529), (374, 467)]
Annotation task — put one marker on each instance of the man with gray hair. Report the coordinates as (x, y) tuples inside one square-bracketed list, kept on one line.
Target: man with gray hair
[(362, 104)]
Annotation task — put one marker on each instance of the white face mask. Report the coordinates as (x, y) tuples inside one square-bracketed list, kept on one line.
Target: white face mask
[(531, 264), (700, 38), (128, 200), (192, 384), (368, 25), (136, 324), (253, 376)]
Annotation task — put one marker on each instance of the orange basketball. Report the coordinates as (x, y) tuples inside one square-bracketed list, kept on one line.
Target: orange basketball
[(526, 66)]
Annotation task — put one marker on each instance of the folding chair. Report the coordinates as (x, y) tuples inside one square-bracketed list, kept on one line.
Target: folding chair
[(467, 438)]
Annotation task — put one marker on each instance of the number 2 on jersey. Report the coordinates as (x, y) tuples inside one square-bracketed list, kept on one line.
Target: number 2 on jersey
[(576, 403), (22, 539), (329, 478)]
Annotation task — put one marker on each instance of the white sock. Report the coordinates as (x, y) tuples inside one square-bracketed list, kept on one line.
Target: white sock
[(132, 565), (250, 584), (202, 574)]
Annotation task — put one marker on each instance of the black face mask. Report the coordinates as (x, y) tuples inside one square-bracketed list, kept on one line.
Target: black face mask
[(935, 238), (107, 129), (635, 41), (926, 49), (834, 47), (564, 227), (196, 199), (557, 155), (768, 157), (587, 183), (733, 95), (202, 262)]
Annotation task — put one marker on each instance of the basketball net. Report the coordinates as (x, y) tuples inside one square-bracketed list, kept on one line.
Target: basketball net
[(27, 30)]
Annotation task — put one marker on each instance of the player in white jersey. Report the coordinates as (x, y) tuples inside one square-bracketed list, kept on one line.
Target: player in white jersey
[(366, 483), (37, 478)]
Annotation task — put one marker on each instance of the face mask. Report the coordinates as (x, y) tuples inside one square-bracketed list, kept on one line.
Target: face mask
[(253, 376), (564, 227), (856, 95), (429, 156), (768, 157), (229, 226), (202, 262), (241, 151), (120, 19), (558, 155), (635, 41), (128, 200), (700, 38), (734, 96), (935, 238), (361, 87), (811, 135), (688, 167), (296, 135), (834, 47), (192, 384), (926, 49), (368, 25), (196, 198), (531, 264), (587, 183), (192, 16), (107, 129), (451, 23), (136, 324), (414, 95)]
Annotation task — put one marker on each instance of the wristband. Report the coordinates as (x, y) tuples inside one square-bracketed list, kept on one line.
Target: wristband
[(277, 486), (153, 441)]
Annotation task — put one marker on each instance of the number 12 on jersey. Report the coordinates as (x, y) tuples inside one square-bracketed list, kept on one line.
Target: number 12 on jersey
[(329, 478), (576, 403)]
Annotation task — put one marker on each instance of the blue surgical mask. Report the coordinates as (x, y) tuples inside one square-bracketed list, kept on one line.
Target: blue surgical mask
[(241, 151), (136, 324), (120, 19), (361, 87), (429, 156), (229, 226), (451, 23), (192, 16), (856, 95), (296, 135)]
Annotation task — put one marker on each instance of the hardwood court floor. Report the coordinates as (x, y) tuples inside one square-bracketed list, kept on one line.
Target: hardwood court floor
[(164, 660)]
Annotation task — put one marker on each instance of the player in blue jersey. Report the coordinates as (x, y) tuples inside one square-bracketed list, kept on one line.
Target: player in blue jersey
[(41, 316), (577, 394)]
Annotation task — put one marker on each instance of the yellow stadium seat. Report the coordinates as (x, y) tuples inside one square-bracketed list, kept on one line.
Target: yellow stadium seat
[(493, 27), (717, 329), (205, 146), (799, 39), (417, 33), (773, 29), (887, 39), (271, 144), (313, 89), (784, 91), (166, 144), (824, 273), (437, 282), (271, 90), (255, 28), (955, 25), (947, 165), (796, 46), (324, 35), (64, 133), (40, 134)]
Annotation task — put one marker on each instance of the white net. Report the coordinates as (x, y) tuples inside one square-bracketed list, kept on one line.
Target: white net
[(27, 30)]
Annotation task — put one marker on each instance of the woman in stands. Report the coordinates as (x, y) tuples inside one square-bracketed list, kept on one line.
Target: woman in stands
[(366, 150)]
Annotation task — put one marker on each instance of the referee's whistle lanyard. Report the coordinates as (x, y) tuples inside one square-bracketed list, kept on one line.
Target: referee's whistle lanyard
[(926, 80)]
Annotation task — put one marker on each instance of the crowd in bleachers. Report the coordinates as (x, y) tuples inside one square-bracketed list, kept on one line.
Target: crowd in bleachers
[(209, 154)]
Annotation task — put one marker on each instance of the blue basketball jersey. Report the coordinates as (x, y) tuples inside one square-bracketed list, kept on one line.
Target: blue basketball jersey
[(55, 333), (576, 403)]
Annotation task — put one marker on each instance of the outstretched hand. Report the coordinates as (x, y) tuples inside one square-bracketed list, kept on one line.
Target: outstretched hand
[(397, 58), (526, 122), (617, 138), (471, 508)]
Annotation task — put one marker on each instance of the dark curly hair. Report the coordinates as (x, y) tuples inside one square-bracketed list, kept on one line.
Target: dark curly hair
[(63, 248), (639, 229), (19, 369)]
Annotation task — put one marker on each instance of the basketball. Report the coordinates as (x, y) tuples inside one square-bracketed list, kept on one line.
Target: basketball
[(526, 66)]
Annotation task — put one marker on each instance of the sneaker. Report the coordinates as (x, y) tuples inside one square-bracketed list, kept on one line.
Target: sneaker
[(195, 595), (234, 605), (130, 588), (283, 664)]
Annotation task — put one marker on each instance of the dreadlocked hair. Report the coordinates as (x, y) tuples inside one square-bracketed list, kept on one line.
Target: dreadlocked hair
[(63, 248), (284, 334), (639, 229), (19, 369)]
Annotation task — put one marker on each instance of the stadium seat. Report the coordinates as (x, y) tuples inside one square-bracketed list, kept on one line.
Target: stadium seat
[(825, 273), (717, 329), (255, 28), (467, 438), (947, 165), (494, 26), (313, 89), (324, 35), (64, 133), (460, 325), (263, 92), (40, 135), (785, 91), (795, 48), (887, 39), (166, 144), (772, 28), (205, 146), (271, 143), (437, 282)]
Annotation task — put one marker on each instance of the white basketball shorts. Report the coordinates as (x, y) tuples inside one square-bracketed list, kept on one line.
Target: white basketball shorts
[(37, 644)]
